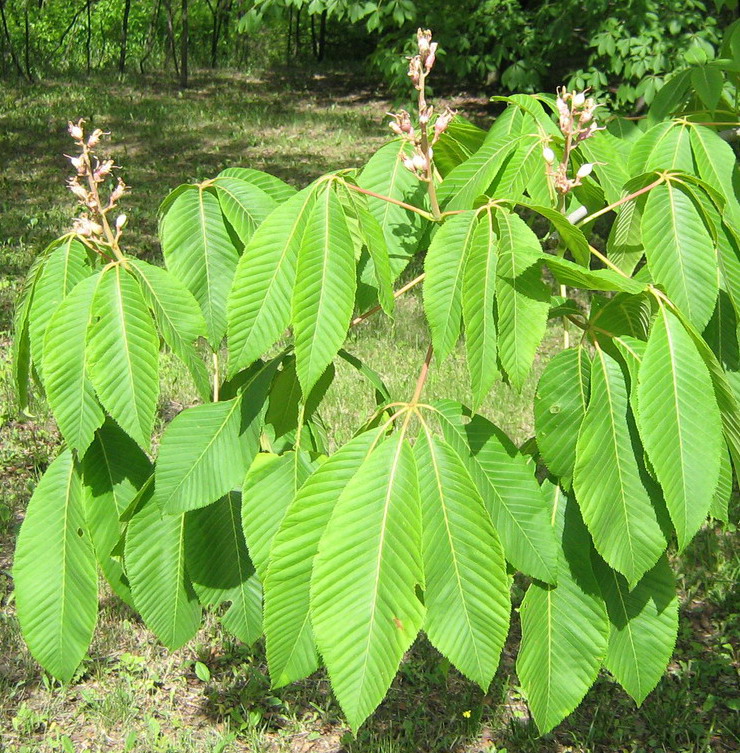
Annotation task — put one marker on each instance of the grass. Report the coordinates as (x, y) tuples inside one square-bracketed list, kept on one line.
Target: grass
[(130, 694)]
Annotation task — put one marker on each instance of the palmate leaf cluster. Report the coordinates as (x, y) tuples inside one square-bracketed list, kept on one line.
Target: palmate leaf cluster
[(417, 523)]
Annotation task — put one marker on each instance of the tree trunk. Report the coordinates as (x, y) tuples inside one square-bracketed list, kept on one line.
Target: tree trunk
[(215, 32), (27, 42), (290, 34), (297, 41), (150, 37), (184, 44), (124, 36), (13, 56), (322, 36), (171, 36), (88, 40), (314, 42)]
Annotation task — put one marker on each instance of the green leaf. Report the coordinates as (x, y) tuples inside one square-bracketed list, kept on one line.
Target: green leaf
[(624, 244), (520, 248), (269, 488), (576, 276), (508, 488), (155, 564), (277, 189), (322, 304), (564, 629), (715, 160), (602, 150), (478, 298), (708, 83), (573, 238), (178, 317), (364, 609), (466, 586), (520, 167), (523, 306), (123, 354), (611, 493), (472, 178), (200, 252), (679, 424), (458, 141), (644, 624), (56, 583), (670, 97), (559, 407), (723, 493), (69, 391), (218, 564), (663, 147), (244, 205), (259, 302), (444, 267), (21, 347), (65, 264), (200, 457), (384, 174), (382, 394), (680, 251), (291, 654), (622, 315), (114, 471)]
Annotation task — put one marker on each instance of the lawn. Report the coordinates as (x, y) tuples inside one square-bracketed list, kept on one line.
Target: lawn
[(131, 694)]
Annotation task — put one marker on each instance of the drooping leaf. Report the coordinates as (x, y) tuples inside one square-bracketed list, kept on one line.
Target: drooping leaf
[(722, 494), (680, 251), (559, 407), (155, 564), (708, 83), (384, 174), (508, 488), (364, 609), (322, 304), (576, 276), (478, 296), (244, 204), (715, 160), (466, 590), (444, 267), (123, 354), (624, 244), (571, 236), (472, 178), (218, 564), (178, 317), (259, 302), (291, 654), (65, 263), (665, 146), (565, 628), (602, 150), (269, 487), (614, 501), (644, 624), (114, 471), (458, 141), (523, 307), (69, 391), (200, 252), (622, 315), (56, 583), (679, 423), (200, 456)]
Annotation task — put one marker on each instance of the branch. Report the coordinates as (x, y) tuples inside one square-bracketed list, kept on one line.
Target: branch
[(390, 200)]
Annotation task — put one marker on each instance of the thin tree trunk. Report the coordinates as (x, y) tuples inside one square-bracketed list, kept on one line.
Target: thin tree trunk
[(150, 37), (88, 40), (314, 45), (215, 32), (290, 33), (13, 56), (322, 36), (124, 36), (27, 42), (297, 42), (184, 44), (171, 36)]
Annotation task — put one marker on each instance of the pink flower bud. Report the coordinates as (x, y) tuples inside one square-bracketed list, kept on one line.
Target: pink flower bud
[(75, 130), (425, 115), (408, 163), (78, 190), (578, 99), (419, 162), (78, 163), (117, 192), (423, 39), (415, 70), (103, 170), (86, 227), (431, 57), (94, 138)]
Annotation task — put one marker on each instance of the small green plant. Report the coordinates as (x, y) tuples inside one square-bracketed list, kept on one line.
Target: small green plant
[(419, 520)]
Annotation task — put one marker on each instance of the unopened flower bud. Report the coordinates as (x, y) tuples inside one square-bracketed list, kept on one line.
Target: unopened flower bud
[(408, 163), (419, 162), (431, 57), (578, 99), (103, 170), (440, 125), (425, 115), (94, 138), (423, 39), (117, 192), (75, 130), (78, 190), (585, 170), (120, 221), (548, 155), (78, 163), (395, 127), (415, 70)]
